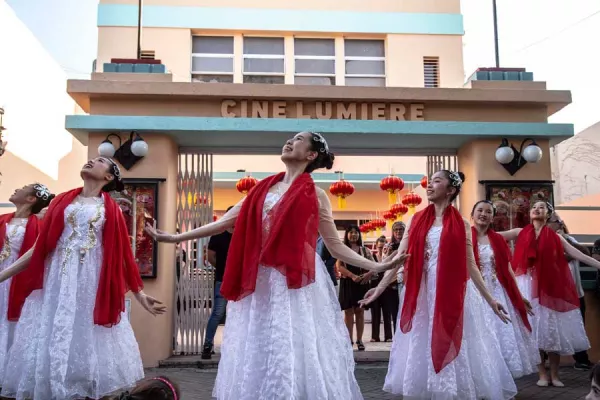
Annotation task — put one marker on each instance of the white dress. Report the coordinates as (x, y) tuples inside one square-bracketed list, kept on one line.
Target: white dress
[(58, 351), (15, 233), (478, 372), (517, 343), (282, 343), (555, 332)]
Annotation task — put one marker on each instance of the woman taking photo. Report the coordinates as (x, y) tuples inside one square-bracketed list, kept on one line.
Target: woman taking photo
[(544, 277), (284, 337), (443, 349), (354, 283), (492, 256)]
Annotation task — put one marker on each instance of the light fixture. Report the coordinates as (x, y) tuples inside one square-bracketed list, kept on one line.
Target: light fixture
[(128, 153), (513, 160)]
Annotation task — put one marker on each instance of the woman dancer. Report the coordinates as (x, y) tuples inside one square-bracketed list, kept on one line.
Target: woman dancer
[(353, 286), (73, 339), (284, 337), (444, 349), (18, 232), (544, 278), (492, 255)]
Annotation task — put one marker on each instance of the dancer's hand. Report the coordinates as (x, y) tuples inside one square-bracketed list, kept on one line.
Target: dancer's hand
[(528, 307), (370, 296), (398, 259), (160, 236), (500, 311), (151, 305), (366, 278)]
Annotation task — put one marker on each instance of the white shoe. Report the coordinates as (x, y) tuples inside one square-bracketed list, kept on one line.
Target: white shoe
[(557, 383), (542, 383)]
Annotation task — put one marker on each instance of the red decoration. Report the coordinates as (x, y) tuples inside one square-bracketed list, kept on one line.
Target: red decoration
[(215, 218), (390, 217), (399, 210), (245, 184), (392, 184), (341, 189), (424, 182), (364, 228), (378, 224), (411, 200)]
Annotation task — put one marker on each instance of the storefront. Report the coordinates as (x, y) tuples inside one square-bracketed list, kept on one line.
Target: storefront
[(185, 124)]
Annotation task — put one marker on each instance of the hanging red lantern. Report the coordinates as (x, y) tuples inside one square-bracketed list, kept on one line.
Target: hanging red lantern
[(424, 182), (364, 229), (392, 184), (341, 189), (411, 200), (390, 217), (215, 218), (378, 224), (399, 210), (245, 184)]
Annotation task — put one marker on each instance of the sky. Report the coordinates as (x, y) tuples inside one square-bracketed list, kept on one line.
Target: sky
[(556, 40)]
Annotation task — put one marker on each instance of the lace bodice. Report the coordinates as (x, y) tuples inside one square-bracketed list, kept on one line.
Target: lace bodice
[(15, 234), (488, 264)]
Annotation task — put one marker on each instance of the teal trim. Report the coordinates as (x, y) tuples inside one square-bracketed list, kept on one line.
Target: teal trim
[(249, 19), (321, 177), (102, 123)]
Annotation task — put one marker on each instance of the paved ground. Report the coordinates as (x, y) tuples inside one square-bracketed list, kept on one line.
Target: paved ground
[(198, 383)]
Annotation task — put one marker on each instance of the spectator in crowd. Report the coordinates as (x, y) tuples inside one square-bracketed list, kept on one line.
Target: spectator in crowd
[(383, 304), (327, 258), (218, 247)]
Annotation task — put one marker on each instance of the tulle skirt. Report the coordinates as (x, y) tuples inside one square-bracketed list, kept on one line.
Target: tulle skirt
[(286, 344), (555, 332)]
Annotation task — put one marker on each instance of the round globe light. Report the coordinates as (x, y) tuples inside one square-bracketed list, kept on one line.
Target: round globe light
[(504, 154), (532, 153), (106, 149), (139, 148)]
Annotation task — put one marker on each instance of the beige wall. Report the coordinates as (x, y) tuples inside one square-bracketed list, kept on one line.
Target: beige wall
[(154, 334), (424, 6)]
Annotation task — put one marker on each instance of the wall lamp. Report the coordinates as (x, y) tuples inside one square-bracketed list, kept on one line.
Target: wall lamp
[(128, 153), (513, 160)]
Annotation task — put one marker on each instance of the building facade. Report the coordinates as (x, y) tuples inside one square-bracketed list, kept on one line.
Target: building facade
[(223, 85)]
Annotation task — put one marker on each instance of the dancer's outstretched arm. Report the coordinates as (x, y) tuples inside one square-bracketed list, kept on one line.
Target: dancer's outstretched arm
[(338, 249), (20, 265), (225, 222), (578, 255)]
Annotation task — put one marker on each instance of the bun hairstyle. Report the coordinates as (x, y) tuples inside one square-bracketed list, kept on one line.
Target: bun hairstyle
[(117, 183), (43, 197), (159, 388), (486, 202), (456, 179), (324, 156)]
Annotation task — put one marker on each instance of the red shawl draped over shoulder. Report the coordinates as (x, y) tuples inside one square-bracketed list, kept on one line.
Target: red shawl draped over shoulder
[(290, 242), (16, 299), (119, 272), (552, 282), (502, 257), (452, 276)]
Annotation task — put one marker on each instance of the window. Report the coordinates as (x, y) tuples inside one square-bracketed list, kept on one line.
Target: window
[(264, 60), (314, 61), (365, 62), (431, 71), (212, 59)]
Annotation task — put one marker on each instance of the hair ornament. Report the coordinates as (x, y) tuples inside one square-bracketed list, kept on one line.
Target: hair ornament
[(317, 137), (455, 179), (41, 191), (169, 384)]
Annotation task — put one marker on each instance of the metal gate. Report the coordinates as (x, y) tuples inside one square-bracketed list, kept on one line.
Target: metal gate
[(194, 277)]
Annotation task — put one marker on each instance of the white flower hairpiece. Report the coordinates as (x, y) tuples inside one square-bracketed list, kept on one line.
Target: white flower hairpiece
[(455, 178), (317, 137), (41, 191)]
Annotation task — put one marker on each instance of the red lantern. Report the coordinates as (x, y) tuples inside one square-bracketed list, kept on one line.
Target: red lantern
[(411, 200), (245, 184), (424, 182), (390, 217), (391, 184), (364, 229), (215, 218), (379, 224), (341, 189), (399, 210)]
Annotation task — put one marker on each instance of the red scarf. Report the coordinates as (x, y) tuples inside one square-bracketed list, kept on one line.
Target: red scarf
[(16, 299), (502, 259), (452, 276), (119, 273), (290, 243), (552, 279)]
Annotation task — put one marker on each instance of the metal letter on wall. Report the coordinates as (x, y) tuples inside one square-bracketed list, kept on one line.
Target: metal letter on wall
[(436, 163), (194, 276)]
